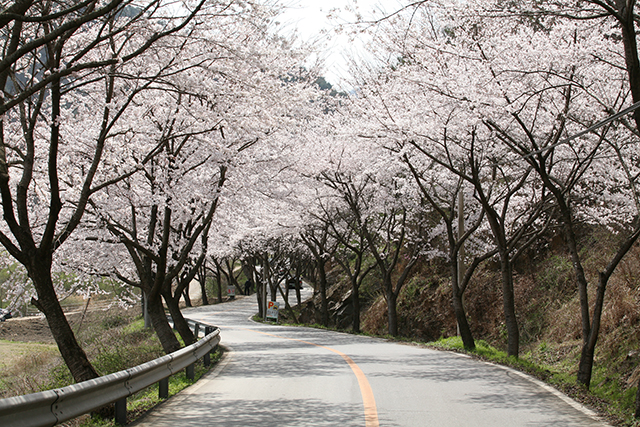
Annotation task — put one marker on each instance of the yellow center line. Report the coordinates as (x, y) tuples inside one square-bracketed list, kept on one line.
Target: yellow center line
[(368, 400)]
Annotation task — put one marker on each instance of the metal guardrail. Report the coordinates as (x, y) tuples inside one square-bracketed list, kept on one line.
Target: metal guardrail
[(51, 407)]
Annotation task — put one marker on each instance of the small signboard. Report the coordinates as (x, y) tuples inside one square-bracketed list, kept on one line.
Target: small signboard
[(272, 310), (231, 291)]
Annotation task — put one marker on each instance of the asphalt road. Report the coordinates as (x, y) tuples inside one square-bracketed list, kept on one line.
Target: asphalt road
[(286, 376)]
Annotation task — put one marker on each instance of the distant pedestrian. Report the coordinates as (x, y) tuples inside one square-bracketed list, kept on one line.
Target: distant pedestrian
[(248, 285)]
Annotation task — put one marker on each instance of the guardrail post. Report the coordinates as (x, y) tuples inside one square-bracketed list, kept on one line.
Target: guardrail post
[(163, 388), (191, 371), (196, 331), (207, 360), (121, 411)]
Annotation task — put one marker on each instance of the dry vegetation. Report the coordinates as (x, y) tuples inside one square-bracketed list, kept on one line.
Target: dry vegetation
[(31, 361)]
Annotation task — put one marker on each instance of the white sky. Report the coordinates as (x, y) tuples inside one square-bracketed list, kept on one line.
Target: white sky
[(309, 18)]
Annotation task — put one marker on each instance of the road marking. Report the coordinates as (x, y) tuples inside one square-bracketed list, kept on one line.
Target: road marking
[(368, 400)]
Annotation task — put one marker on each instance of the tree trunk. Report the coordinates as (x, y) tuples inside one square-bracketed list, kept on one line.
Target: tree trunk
[(259, 286), (202, 280), (461, 316), (203, 290), (458, 304), (187, 299), (298, 296), (463, 325), (392, 312), (324, 304), (273, 292), (145, 311), (219, 281), (626, 10), (579, 272), (355, 302), (508, 302), (585, 366), (74, 356), (160, 324), (179, 322)]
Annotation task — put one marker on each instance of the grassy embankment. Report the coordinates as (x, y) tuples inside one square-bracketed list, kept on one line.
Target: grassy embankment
[(114, 340)]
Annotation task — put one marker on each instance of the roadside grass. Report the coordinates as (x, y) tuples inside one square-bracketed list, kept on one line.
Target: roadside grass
[(97, 335), (21, 365), (114, 340), (606, 395)]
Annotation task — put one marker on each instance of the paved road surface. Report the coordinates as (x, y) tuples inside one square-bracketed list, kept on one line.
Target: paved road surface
[(285, 376)]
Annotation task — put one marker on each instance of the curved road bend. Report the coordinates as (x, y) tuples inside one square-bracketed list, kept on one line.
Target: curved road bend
[(286, 376)]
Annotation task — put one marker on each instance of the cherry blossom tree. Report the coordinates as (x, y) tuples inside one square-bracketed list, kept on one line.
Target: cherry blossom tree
[(364, 196), (61, 106), (434, 99), (533, 76), (444, 193), (582, 151), (331, 232), (351, 250), (319, 242), (226, 91)]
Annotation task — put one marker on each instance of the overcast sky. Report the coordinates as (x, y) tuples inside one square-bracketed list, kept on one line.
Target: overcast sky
[(310, 19)]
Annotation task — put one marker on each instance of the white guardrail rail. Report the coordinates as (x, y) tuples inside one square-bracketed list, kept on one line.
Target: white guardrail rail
[(51, 407)]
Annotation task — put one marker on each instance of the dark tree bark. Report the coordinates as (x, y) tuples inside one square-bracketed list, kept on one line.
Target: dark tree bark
[(455, 243), (233, 276), (259, 297), (217, 274), (637, 411), (317, 240), (172, 299), (72, 353), (160, 324), (186, 297), (202, 279), (353, 244), (179, 322), (155, 275), (561, 190), (298, 285)]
